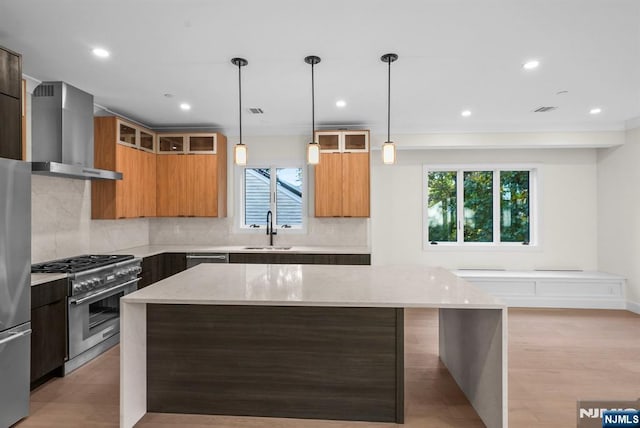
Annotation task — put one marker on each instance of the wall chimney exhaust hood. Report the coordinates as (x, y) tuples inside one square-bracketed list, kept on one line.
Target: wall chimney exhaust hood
[(62, 133)]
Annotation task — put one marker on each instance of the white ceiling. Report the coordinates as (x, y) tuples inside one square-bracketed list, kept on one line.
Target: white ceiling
[(454, 55)]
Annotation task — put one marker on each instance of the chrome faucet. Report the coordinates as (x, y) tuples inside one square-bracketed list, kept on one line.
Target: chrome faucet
[(270, 230)]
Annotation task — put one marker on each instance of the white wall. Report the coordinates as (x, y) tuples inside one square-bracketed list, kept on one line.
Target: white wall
[(568, 210), (61, 224), (619, 213)]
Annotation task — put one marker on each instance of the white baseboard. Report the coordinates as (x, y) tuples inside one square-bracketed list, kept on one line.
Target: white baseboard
[(633, 306)]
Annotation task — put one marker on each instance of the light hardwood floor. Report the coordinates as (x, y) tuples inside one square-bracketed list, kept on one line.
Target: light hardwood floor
[(556, 357)]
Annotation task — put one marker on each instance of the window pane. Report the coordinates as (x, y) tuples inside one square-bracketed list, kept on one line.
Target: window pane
[(289, 196), (442, 206), (478, 206), (257, 185), (514, 206)]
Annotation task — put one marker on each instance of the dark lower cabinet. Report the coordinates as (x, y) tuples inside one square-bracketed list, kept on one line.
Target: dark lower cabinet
[(161, 266), (301, 259), (49, 330)]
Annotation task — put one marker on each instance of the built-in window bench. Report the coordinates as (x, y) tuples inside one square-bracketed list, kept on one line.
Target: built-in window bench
[(551, 289)]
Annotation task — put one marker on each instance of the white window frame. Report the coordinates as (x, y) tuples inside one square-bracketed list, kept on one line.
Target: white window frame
[(460, 169), (241, 225)]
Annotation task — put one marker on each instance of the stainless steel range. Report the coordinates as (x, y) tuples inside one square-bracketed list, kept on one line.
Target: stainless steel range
[(96, 284)]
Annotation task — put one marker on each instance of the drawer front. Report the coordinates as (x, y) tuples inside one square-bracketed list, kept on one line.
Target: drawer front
[(581, 288), (48, 293), (507, 288)]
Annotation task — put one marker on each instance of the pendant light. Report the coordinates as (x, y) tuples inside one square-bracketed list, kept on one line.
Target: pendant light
[(389, 148), (240, 150), (313, 148)]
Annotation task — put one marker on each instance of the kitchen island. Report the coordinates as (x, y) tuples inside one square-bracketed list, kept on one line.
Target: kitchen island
[(302, 341)]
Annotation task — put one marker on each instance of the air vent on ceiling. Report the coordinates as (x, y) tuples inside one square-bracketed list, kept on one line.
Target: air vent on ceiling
[(255, 110), (544, 109), (43, 90)]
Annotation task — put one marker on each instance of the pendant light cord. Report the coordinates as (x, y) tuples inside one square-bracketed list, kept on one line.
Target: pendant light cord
[(313, 106), (389, 106), (240, 98)]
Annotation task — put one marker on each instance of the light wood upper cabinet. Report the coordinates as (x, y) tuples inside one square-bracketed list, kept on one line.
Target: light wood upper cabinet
[(193, 185), (116, 149), (342, 177), (343, 141), (197, 143), (163, 180), (135, 136)]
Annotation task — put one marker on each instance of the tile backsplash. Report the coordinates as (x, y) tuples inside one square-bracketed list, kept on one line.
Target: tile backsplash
[(213, 231), (61, 224)]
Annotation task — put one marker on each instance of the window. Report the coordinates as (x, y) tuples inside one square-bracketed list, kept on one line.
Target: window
[(276, 189), (478, 205)]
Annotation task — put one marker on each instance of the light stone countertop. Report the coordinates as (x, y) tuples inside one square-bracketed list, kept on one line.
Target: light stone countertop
[(150, 250), (41, 278), (317, 285)]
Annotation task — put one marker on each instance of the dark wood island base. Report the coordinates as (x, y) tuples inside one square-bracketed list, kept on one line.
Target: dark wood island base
[(282, 361)]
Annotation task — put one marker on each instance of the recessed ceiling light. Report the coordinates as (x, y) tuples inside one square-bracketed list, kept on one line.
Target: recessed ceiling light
[(185, 106), (101, 53), (530, 65), (167, 95), (466, 113), (341, 103), (595, 110)]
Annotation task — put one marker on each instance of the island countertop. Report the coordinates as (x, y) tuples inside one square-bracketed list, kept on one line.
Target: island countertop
[(316, 285)]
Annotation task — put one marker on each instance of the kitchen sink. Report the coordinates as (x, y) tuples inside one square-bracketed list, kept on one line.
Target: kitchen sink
[(267, 248)]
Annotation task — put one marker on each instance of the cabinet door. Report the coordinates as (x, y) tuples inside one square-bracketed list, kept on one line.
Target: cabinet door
[(328, 185), (10, 127), (127, 189), (147, 141), (202, 183), (147, 197), (356, 141), (171, 185), (355, 185), (171, 144), (10, 74), (127, 134), (329, 140), (48, 338)]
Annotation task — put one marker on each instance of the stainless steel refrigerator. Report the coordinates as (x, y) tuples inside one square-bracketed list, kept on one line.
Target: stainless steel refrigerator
[(15, 290)]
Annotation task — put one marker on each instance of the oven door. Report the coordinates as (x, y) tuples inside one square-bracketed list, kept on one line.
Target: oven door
[(96, 317)]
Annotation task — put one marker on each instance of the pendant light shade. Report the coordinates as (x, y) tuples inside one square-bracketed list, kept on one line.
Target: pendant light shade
[(313, 148), (389, 147), (240, 150)]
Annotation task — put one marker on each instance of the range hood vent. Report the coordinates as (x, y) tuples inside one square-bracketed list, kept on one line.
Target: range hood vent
[(62, 137)]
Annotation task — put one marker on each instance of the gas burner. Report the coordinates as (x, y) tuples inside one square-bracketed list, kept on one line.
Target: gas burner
[(78, 264)]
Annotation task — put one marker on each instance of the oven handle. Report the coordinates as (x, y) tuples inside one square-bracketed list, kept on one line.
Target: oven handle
[(103, 292)]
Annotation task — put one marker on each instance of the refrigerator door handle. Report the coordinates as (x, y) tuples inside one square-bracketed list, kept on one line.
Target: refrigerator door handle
[(15, 336)]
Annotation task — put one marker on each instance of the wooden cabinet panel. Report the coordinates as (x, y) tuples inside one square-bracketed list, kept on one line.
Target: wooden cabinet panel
[(49, 329), (10, 73), (133, 196), (171, 185), (202, 182), (127, 188), (148, 187), (10, 127), (328, 185), (355, 184)]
